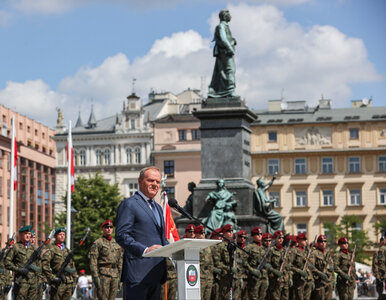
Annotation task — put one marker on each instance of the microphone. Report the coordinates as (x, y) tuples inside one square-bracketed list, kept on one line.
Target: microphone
[(173, 203)]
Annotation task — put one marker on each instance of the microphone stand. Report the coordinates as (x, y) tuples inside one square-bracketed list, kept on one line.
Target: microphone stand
[(231, 247)]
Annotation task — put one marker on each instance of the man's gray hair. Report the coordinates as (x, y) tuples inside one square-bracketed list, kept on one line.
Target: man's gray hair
[(143, 171)]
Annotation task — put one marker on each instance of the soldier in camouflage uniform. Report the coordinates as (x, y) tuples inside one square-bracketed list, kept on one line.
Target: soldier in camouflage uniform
[(302, 277), (243, 257), (318, 267), (5, 276), (106, 263), (15, 261), (206, 265), (60, 288), (41, 278), (257, 279), (216, 271), (171, 281), (222, 266), (346, 277), (379, 267)]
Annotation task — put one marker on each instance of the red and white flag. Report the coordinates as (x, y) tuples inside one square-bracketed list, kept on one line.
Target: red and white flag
[(70, 159), (171, 231), (14, 163)]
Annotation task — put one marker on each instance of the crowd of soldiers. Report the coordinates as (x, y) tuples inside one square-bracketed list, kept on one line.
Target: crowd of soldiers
[(271, 267), (33, 270)]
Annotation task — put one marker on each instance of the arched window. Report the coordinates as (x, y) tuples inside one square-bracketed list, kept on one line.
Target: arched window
[(82, 157), (76, 161), (98, 154), (137, 155), (107, 157), (129, 156)]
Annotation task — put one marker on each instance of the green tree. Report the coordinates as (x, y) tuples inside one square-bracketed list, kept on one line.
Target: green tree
[(95, 201), (380, 228), (346, 227)]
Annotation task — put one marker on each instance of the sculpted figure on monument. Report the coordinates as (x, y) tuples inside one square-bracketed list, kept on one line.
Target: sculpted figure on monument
[(189, 202), (223, 78), (264, 208), (59, 120), (224, 206)]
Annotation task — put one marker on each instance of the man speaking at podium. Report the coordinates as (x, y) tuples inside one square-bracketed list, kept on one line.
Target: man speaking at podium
[(141, 229)]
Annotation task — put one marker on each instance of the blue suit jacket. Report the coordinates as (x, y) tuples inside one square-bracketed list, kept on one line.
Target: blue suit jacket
[(137, 229)]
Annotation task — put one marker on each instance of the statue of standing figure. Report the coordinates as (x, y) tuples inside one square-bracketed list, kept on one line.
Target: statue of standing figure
[(223, 79), (189, 202), (223, 211), (263, 206)]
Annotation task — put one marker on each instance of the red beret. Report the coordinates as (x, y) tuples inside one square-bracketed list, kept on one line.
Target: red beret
[(278, 233), (107, 222), (242, 233), (288, 238), (218, 230), (321, 238), (294, 238), (302, 236), (190, 227), (342, 240), (267, 236), (227, 227), (199, 229), (256, 230)]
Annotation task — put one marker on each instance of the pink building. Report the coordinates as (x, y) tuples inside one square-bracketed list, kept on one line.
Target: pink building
[(177, 153), (36, 174)]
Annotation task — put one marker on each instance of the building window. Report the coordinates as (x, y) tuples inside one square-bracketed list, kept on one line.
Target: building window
[(382, 196), (132, 188), (98, 154), (273, 166), (354, 164), (357, 227), (20, 125), (300, 166), (137, 153), (355, 197), (275, 195), (129, 156), (381, 163), (36, 132), (327, 165), (328, 197), (354, 133), (301, 198), (170, 191), (107, 157), (82, 157), (169, 168), (196, 135), (76, 162), (301, 227), (132, 123), (182, 135), (272, 136)]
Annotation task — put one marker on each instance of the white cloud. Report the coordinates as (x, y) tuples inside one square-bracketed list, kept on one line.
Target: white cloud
[(272, 55), (5, 18)]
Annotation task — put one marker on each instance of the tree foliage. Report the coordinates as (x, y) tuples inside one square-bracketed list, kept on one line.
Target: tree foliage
[(95, 201), (346, 228)]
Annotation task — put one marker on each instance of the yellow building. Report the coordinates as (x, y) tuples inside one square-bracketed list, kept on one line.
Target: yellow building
[(330, 163)]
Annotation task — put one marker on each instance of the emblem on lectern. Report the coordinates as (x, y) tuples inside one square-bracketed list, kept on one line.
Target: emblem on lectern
[(191, 275)]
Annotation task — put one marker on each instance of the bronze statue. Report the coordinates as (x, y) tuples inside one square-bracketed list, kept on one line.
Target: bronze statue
[(223, 211), (263, 206), (189, 202), (223, 79)]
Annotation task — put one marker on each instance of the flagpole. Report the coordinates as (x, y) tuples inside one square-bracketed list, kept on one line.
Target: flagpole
[(69, 156), (12, 181)]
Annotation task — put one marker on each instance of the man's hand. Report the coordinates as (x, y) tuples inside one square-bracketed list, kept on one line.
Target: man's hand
[(151, 248)]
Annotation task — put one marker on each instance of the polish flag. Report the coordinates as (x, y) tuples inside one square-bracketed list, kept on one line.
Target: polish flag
[(170, 227), (70, 159), (15, 164)]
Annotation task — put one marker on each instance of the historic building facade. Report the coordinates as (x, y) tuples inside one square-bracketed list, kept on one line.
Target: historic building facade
[(35, 194), (330, 163)]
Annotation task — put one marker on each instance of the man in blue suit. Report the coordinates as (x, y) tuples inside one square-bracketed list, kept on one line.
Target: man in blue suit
[(141, 229)]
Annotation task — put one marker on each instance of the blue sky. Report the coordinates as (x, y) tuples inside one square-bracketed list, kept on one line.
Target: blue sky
[(71, 53)]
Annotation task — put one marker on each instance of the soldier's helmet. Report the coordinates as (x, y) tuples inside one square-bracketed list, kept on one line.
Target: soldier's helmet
[(342, 240)]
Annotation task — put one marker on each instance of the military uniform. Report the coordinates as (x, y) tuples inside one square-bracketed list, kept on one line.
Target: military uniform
[(318, 269), (51, 262), (106, 266), (27, 288), (206, 272), (171, 281), (302, 279), (379, 268), (215, 295), (5, 277)]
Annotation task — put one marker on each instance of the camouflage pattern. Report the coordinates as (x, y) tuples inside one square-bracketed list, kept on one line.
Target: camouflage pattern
[(302, 285), (5, 277), (51, 262), (106, 264), (330, 287), (379, 269), (171, 281), (256, 287), (320, 265), (16, 258), (216, 276), (206, 272), (241, 262), (344, 286)]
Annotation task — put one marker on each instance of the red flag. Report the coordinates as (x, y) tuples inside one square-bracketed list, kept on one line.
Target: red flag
[(171, 231), (15, 165), (70, 149)]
